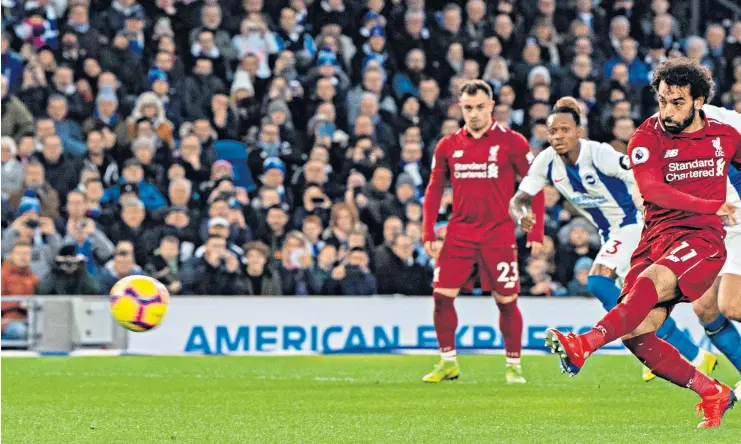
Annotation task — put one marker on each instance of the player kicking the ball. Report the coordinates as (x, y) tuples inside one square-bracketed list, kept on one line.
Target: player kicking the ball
[(680, 161), (597, 180), (482, 161)]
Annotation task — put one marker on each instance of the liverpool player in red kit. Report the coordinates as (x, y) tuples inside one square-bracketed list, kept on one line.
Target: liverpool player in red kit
[(680, 159), (482, 161)]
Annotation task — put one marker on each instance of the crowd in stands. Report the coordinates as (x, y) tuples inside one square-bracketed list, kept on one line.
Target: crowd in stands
[(283, 147)]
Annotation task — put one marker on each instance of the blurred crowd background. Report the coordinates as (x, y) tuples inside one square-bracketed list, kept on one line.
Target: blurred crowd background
[(283, 147)]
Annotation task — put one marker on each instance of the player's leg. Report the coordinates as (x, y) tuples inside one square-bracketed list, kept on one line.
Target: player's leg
[(721, 331), (452, 270), (500, 275), (609, 293), (695, 258), (666, 362)]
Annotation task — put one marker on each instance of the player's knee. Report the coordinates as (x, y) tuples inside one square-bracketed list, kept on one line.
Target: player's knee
[(602, 270), (730, 306), (665, 281), (706, 308), (504, 300), (449, 292)]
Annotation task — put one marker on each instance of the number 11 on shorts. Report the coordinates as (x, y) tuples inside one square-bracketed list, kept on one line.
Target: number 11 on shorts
[(686, 255)]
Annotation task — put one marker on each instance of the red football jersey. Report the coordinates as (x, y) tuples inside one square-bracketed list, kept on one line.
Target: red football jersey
[(483, 173), (682, 177)]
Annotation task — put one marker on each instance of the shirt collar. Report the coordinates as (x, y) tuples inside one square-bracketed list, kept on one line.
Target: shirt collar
[(495, 126)]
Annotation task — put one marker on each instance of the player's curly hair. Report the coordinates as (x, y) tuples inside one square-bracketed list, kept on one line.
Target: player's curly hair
[(683, 71)]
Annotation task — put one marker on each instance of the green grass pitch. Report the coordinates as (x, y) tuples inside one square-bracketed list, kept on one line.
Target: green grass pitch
[(351, 399)]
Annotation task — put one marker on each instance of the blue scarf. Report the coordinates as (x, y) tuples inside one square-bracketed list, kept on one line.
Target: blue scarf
[(111, 121), (86, 250)]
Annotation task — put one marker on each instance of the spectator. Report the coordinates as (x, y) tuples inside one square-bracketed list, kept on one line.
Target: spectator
[(17, 280), (578, 247), (578, 285), (315, 203), (211, 19), (12, 170), (165, 264), (401, 274), (133, 174), (78, 22), (637, 69), (121, 266), (215, 273), (373, 82), (353, 278), (17, 121), (392, 227), (100, 159), (34, 181), (407, 81), (312, 227), (82, 232), (68, 277), (295, 265), (256, 39), (17, 277), (131, 227), (258, 278), (107, 120), (148, 106), (199, 88), (273, 232)]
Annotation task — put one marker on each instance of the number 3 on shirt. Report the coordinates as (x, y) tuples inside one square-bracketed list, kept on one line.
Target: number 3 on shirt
[(613, 249)]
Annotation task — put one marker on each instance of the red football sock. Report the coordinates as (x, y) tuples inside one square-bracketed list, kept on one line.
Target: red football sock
[(666, 363), (446, 321), (510, 324), (624, 317)]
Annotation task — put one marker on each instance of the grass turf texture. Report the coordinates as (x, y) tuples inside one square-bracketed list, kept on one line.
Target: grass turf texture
[(353, 399)]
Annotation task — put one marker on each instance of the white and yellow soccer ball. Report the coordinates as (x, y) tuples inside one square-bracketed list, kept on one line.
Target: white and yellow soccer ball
[(139, 303)]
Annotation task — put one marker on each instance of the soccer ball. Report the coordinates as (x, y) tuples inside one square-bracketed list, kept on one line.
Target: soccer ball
[(139, 303)]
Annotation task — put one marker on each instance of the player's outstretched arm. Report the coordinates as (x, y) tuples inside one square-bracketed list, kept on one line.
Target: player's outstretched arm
[(647, 171), (434, 193)]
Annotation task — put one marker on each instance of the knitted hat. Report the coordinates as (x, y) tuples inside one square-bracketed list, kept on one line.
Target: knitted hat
[(273, 163)]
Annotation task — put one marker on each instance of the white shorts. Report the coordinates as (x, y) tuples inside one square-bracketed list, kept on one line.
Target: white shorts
[(616, 251), (733, 259)]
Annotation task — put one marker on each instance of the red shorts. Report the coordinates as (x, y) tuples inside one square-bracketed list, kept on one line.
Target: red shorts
[(695, 258), (497, 266)]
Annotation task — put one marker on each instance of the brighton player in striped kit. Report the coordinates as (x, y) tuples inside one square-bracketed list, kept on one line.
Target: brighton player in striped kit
[(597, 180)]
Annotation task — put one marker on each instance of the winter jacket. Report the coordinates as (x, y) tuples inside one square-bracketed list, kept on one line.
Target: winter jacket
[(125, 64), (17, 281), (271, 283), (148, 194), (199, 277), (355, 283), (60, 283), (17, 120), (197, 94), (402, 278), (63, 175)]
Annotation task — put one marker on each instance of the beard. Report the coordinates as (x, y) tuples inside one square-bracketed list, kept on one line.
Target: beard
[(678, 127)]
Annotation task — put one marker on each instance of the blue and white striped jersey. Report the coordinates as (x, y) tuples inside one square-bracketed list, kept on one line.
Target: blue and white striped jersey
[(734, 175), (599, 185)]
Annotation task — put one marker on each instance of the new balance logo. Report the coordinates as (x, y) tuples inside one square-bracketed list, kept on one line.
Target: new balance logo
[(458, 154), (671, 153)]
